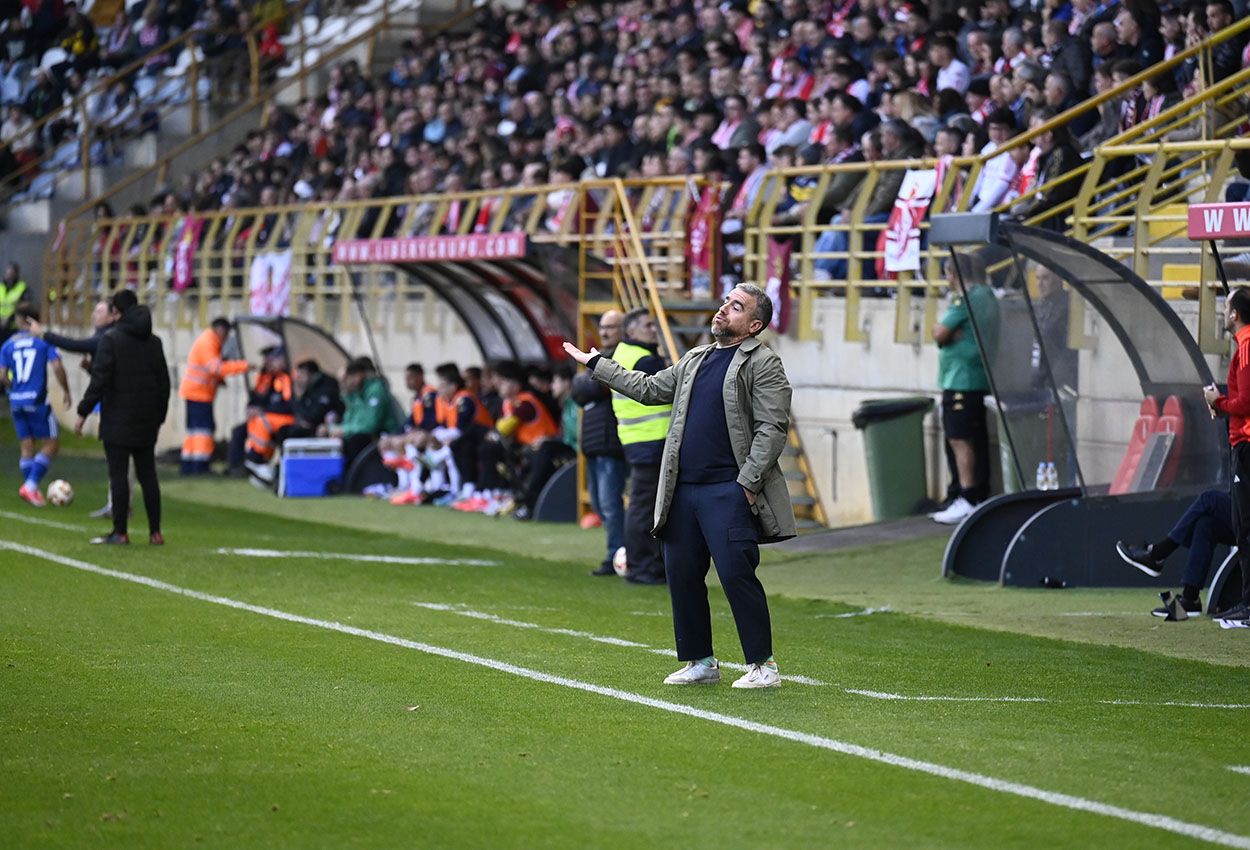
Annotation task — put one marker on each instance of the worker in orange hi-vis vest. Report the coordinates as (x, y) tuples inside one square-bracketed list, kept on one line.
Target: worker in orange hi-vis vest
[(269, 410), (205, 372)]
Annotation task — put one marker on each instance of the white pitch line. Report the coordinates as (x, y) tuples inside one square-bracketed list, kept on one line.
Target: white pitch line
[(922, 698), (867, 612), (347, 556), (1173, 704), (613, 641), (47, 523), (521, 624), (1240, 768), (1028, 792)]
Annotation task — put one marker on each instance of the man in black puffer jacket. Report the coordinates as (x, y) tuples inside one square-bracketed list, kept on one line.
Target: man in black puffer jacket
[(130, 380)]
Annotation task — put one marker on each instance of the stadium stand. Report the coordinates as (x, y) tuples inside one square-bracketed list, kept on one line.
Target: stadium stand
[(600, 89), (580, 127)]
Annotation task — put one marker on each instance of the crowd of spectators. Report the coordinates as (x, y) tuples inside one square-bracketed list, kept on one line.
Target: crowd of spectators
[(654, 87), (54, 54)]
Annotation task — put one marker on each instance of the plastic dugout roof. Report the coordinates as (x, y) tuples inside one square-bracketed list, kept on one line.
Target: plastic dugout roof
[(302, 341), (1074, 383)]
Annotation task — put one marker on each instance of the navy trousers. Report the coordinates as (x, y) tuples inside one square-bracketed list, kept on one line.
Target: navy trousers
[(714, 521), (1208, 522)]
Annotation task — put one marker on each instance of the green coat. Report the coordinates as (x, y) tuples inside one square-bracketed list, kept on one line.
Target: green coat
[(369, 410), (757, 411)]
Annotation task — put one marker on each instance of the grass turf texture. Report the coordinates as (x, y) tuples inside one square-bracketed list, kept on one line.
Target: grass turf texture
[(131, 717)]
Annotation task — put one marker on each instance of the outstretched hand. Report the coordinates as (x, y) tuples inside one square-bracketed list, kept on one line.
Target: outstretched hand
[(582, 357)]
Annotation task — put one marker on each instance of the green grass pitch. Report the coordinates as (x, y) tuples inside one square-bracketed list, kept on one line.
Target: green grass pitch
[(519, 704)]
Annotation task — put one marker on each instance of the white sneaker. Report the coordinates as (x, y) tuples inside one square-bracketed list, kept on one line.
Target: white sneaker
[(955, 513), (760, 676), (263, 471), (695, 673)]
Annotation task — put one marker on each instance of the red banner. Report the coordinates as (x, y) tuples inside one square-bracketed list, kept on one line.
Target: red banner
[(184, 252), (703, 239), (1219, 221), (778, 284), (432, 249)]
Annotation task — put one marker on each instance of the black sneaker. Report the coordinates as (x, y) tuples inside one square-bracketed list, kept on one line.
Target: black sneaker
[(1192, 608), (645, 578), (1140, 557), (111, 540), (1237, 612), (604, 569)]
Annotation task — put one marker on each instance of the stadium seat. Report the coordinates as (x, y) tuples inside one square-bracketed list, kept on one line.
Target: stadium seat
[(1147, 420), (330, 30), (1172, 422)]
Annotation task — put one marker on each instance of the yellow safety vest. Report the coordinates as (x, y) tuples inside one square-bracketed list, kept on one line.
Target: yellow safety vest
[(637, 423), (10, 297)]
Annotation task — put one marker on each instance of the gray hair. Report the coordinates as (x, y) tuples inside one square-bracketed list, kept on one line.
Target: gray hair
[(633, 317), (763, 304)]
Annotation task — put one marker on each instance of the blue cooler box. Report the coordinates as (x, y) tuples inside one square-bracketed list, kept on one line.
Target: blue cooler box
[(310, 467)]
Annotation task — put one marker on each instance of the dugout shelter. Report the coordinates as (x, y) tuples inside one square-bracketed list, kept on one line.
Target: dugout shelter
[(1096, 387)]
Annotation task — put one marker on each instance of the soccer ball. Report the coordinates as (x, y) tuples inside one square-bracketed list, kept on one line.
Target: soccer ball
[(619, 562), (60, 493)]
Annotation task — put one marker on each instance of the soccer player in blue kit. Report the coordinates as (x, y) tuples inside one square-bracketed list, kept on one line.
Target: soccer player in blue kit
[(24, 362)]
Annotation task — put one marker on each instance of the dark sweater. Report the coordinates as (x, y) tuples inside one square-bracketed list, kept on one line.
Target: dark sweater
[(89, 345), (707, 455)]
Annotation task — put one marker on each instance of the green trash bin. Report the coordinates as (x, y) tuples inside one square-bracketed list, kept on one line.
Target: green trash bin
[(894, 449)]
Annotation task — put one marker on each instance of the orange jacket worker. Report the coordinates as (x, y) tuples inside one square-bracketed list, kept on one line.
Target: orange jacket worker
[(205, 372)]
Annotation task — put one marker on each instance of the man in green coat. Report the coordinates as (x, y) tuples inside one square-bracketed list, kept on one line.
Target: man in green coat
[(368, 411), (721, 493)]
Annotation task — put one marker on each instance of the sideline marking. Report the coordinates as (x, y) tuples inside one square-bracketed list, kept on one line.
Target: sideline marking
[(867, 612), (1028, 792), (922, 698), (49, 523), (613, 641), (347, 556), (1240, 768), (1173, 704)]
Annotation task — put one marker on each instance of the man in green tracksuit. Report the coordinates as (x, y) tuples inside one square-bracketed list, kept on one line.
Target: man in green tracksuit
[(721, 491), (368, 412), (642, 429)]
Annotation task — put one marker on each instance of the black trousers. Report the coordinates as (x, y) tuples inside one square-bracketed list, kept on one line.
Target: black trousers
[(353, 446), (1241, 514), (464, 452), (118, 458), (541, 462), (236, 453), (714, 521), (644, 553)]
